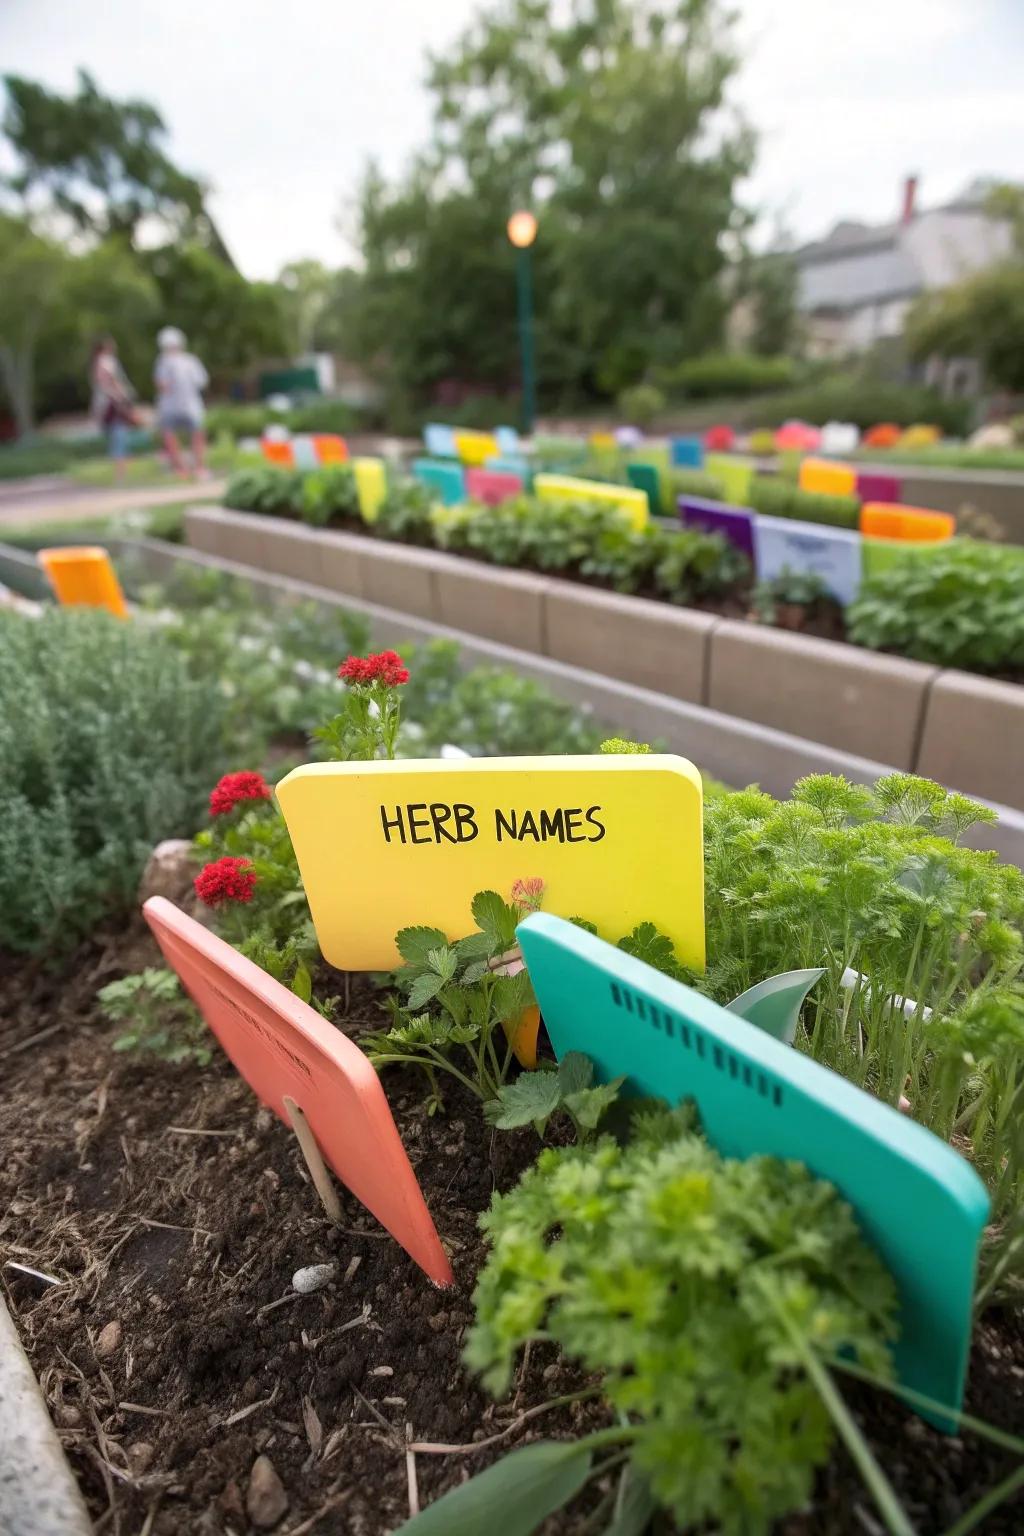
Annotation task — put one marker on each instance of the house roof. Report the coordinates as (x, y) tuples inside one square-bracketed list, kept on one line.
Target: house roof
[(858, 264)]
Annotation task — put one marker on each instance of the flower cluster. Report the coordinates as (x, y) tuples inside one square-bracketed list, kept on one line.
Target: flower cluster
[(385, 667), (227, 879), (528, 894), (234, 788)]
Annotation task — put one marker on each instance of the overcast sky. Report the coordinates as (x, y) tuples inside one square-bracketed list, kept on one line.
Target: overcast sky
[(279, 105)]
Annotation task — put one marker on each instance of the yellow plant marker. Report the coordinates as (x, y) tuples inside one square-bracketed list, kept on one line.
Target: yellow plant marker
[(83, 576), (604, 442), (371, 486), (631, 503), (384, 846), (827, 478), (476, 447)]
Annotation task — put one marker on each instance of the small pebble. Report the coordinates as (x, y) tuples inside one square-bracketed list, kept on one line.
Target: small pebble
[(313, 1278), (382, 1370), (140, 1455), (265, 1498), (109, 1341)]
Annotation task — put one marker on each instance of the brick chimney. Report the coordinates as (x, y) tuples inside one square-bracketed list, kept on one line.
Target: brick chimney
[(909, 199)]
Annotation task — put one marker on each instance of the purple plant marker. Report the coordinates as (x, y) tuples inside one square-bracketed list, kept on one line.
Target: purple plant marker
[(734, 523)]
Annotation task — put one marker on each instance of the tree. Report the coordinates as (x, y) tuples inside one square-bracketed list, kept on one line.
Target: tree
[(307, 289), (772, 288), (981, 317), (34, 271), (610, 120), (101, 162), (229, 321)]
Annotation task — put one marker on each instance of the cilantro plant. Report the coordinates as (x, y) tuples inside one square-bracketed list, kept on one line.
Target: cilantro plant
[(160, 1020), (453, 1001), (709, 1292)]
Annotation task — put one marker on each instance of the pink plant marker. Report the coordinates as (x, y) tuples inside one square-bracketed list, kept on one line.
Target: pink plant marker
[(493, 486), (285, 1050)]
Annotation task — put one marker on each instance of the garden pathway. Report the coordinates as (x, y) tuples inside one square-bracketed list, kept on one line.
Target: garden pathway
[(53, 499)]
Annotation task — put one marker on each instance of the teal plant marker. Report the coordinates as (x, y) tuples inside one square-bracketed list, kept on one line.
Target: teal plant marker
[(446, 480), (917, 1200), (645, 478), (774, 1005)]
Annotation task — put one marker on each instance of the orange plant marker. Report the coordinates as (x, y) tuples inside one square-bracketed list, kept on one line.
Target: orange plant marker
[(889, 520), (288, 1054), (83, 576), (827, 478), (280, 454), (330, 449)]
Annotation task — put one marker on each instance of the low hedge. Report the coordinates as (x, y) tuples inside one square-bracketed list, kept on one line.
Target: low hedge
[(728, 373), (781, 498)]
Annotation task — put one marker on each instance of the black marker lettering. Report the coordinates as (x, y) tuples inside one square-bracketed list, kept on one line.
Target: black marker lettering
[(465, 817), (439, 814), (502, 824), (418, 823), (574, 826), (595, 823), (392, 821), (552, 825), (528, 825)]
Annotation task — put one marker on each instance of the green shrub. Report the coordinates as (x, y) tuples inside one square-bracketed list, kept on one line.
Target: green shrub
[(866, 401), (47, 455), (961, 605), (328, 416), (707, 1291), (266, 488), (236, 421), (329, 493), (107, 745), (404, 514), (695, 482), (640, 404), (728, 373), (781, 498)]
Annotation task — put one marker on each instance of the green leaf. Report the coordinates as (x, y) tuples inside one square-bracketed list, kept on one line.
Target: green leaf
[(302, 982), (443, 962), (635, 1507), (511, 995), (474, 972), (495, 918), (532, 1097), (513, 1497), (475, 946), (424, 989), (653, 948), (589, 1104), (575, 1072), (415, 944)]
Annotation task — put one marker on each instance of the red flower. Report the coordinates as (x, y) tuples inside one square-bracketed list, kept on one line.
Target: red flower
[(233, 788), (528, 894), (227, 879), (385, 667)]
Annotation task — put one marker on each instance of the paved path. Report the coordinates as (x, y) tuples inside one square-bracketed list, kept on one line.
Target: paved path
[(53, 499)]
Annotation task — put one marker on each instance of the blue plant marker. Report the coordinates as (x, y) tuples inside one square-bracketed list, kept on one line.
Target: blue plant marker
[(918, 1201), (439, 441), (447, 480), (774, 1005), (687, 453)]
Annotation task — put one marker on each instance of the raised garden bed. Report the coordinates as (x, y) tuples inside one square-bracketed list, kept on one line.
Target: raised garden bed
[(844, 696), (158, 1215)]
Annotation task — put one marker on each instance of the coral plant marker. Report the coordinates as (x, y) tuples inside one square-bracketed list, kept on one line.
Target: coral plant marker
[(287, 1052)]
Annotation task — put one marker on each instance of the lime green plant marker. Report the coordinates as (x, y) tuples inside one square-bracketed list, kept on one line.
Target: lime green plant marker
[(774, 1005), (917, 1200)]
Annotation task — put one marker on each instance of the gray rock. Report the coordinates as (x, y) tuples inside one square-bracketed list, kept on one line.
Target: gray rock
[(265, 1498), (313, 1278), (169, 871)]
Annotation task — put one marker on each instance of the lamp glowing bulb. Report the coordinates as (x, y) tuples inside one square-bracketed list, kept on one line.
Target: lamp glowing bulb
[(522, 229)]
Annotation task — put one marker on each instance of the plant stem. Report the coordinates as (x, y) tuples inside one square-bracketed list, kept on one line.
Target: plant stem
[(976, 1514), (929, 1405)]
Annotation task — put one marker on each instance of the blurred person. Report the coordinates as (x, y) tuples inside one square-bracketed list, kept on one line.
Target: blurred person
[(180, 379), (112, 397)]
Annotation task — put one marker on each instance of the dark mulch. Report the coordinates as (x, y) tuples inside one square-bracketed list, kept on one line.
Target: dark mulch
[(186, 1241)]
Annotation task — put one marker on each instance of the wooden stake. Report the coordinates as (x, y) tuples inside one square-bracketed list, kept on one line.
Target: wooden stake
[(318, 1170)]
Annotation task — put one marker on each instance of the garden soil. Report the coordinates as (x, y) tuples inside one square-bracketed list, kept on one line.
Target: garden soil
[(173, 1353)]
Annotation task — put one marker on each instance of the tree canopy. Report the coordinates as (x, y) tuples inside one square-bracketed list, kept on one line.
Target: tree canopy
[(610, 119)]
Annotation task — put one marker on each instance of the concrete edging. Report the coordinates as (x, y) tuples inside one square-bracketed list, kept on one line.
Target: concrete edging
[(736, 751), (38, 1492), (856, 701)]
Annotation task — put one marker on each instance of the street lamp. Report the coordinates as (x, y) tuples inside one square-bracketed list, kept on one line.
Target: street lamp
[(522, 231)]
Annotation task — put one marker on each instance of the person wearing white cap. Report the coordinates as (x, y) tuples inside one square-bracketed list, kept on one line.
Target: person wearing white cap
[(180, 380)]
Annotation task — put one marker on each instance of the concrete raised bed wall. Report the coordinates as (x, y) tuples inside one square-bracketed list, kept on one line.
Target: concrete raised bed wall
[(736, 751), (844, 697)]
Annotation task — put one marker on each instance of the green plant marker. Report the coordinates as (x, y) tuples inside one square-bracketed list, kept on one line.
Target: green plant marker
[(918, 1201), (774, 1005), (645, 478), (659, 457)]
